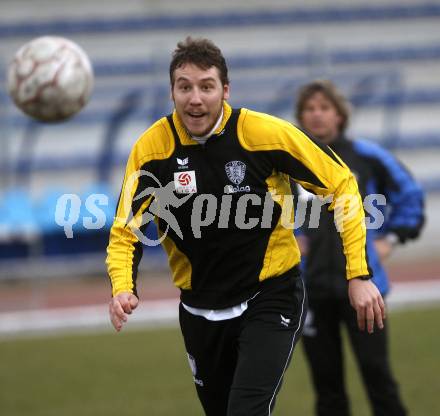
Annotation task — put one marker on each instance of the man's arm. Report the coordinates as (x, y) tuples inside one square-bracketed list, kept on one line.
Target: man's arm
[(364, 296), (318, 169), (404, 196), (125, 248)]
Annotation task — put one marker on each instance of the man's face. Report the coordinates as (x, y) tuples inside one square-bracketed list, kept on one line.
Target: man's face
[(198, 96), (320, 118)]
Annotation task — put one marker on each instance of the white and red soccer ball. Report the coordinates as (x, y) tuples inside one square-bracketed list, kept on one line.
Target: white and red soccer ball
[(184, 178), (50, 78)]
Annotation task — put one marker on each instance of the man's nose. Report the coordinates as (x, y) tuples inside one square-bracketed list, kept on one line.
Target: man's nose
[(320, 111), (195, 98)]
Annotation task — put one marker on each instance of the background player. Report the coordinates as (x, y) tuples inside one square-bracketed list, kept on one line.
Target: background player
[(324, 113)]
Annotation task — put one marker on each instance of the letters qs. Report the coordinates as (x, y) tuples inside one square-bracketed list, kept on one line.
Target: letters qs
[(68, 210)]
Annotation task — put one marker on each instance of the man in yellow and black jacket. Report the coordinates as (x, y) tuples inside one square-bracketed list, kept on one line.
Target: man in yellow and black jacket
[(216, 180)]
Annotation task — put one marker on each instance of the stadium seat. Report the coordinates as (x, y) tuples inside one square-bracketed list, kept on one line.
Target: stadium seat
[(45, 210), (18, 221)]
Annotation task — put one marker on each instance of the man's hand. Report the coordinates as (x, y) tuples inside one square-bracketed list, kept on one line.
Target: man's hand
[(121, 305), (368, 303), (383, 247)]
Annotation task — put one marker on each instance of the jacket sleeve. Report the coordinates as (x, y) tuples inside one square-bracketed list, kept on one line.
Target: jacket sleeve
[(318, 169), (404, 196), (132, 217), (124, 250)]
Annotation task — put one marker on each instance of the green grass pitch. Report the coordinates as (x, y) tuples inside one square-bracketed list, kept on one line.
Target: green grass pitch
[(146, 373)]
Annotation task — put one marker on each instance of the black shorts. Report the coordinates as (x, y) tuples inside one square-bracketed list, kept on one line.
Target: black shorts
[(238, 364)]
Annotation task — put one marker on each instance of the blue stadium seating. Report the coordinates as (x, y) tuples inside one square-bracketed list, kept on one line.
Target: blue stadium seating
[(132, 92)]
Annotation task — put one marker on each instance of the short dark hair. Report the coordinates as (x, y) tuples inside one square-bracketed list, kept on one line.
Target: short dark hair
[(330, 91), (200, 52)]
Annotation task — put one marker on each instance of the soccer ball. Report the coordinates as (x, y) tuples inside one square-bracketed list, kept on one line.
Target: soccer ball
[(50, 78)]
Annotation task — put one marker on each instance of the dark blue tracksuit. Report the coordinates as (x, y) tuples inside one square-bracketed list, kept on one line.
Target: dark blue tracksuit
[(377, 172)]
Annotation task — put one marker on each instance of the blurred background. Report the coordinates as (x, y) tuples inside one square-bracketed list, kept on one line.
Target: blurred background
[(384, 55)]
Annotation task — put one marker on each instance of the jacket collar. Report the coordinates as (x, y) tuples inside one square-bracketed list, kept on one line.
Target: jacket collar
[(186, 139), (340, 142)]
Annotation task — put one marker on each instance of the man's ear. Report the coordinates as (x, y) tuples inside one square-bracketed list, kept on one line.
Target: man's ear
[(226, 91)]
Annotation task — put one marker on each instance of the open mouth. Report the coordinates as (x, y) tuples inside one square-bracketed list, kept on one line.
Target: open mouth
[(196, 115)]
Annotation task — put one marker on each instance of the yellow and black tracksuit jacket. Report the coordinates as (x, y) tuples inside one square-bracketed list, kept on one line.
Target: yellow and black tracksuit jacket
[(226, 263)]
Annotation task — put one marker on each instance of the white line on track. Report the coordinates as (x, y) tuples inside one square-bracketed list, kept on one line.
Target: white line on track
[(159, 313)]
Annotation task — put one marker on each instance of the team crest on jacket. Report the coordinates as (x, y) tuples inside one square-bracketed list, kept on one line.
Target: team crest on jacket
[(235, 171)]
